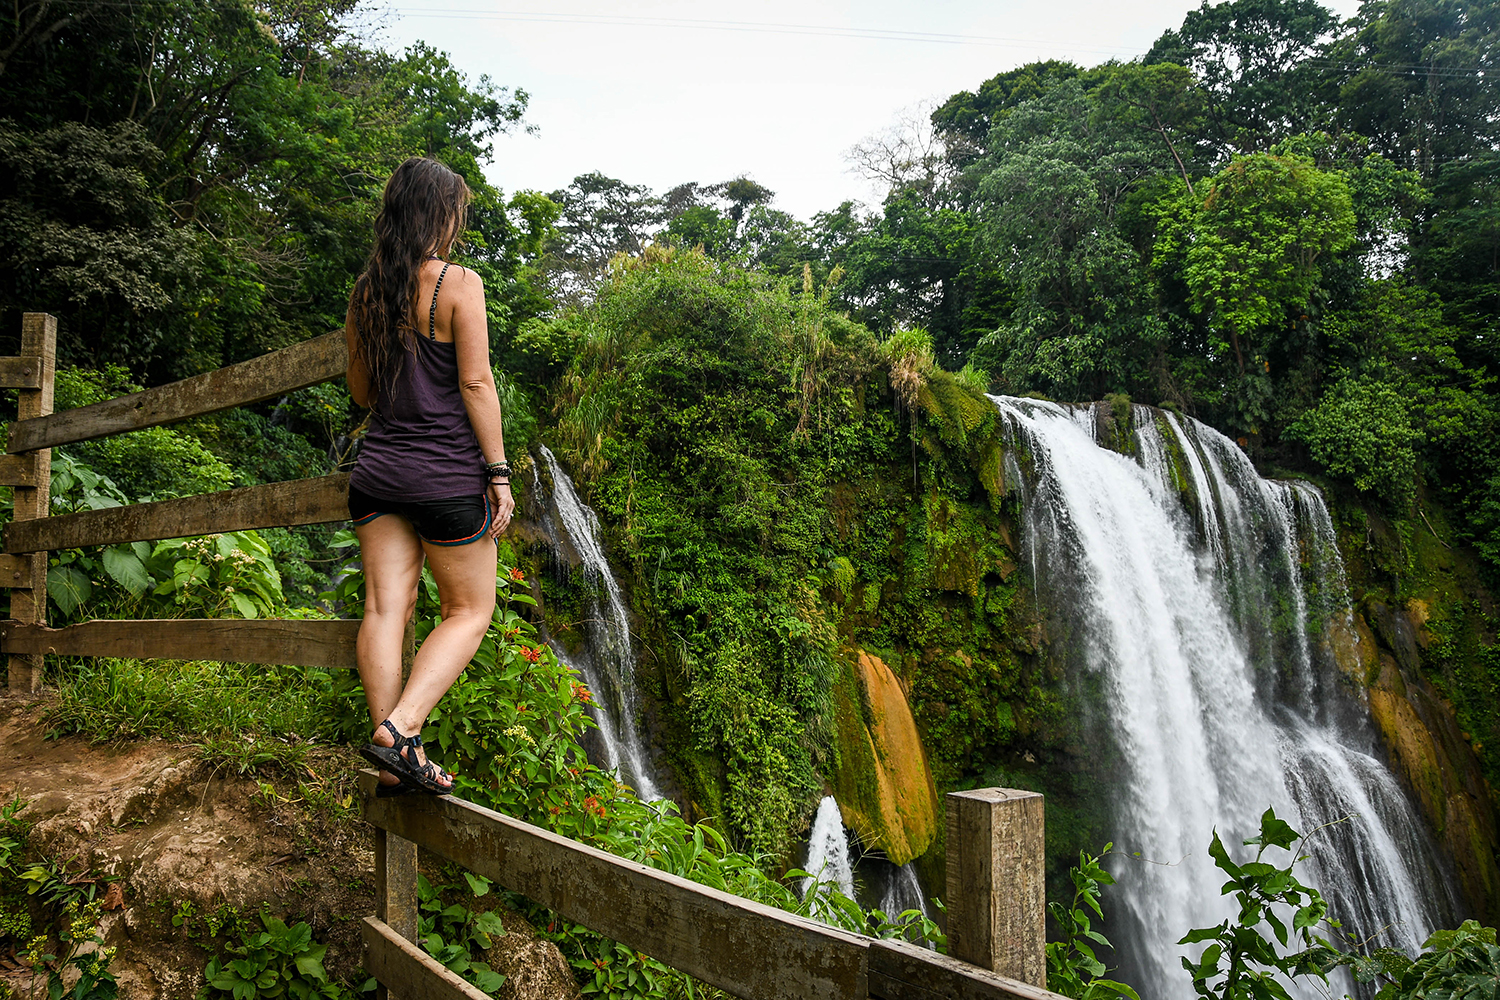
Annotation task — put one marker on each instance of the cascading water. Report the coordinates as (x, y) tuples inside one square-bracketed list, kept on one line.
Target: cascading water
[(1200, 601), (828, 856), (607, 659), (903, 891)]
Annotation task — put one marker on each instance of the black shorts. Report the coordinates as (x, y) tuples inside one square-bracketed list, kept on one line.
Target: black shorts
[(453, 521)]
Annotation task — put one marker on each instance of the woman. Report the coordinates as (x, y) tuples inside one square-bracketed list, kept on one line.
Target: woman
[(431, 479)]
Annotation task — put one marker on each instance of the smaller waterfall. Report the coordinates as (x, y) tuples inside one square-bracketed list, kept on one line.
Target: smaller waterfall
[(828, 855), (903, 891), (607, 660)]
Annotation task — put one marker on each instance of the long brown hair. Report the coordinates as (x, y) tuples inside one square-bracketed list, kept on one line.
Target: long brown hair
[(422, 214)]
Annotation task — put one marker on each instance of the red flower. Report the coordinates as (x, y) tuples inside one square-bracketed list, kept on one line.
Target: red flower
[(582, 693), (517, 575), (534, 655)]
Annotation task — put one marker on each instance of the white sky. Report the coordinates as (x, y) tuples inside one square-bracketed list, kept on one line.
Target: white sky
[(663, 103)]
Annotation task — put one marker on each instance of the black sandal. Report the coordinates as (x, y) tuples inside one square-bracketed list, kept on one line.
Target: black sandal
[(384, 791), (424, 777)]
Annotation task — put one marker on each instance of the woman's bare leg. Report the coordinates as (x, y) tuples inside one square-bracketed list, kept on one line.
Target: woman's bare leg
[(391, 554), (465, 576)]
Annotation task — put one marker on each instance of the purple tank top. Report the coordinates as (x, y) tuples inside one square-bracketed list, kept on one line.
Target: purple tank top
[(420, 445)]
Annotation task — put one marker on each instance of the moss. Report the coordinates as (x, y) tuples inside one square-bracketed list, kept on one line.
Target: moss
[(1116, 423), (1178, 467), (882, 782), (1428, 656)]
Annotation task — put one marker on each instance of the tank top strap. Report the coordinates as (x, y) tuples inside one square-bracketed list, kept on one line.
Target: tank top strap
[(432, 312)]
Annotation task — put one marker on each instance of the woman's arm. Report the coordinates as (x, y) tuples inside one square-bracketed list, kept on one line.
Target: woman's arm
[(476, 382), (357, 375)]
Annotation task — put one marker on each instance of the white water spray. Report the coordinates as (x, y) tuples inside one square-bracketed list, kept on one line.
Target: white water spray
[(1199, 621), (607, 662), (828, 857)]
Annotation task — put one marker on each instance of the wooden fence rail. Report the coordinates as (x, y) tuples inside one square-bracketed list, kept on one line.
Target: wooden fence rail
[(746, 948)]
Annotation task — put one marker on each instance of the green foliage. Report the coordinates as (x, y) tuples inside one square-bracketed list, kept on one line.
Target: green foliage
[(511, 728), (94, 980), (1362, 429), (225, 209), (1241, 962), (278, 961), (248, 717), (154, 463), (452, 932), (1252, 246), (1072, 967), (15, 914), (1461, 964)]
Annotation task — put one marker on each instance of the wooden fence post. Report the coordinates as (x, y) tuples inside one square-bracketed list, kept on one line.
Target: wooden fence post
[(997, 897), (396, 888), (28, 604)]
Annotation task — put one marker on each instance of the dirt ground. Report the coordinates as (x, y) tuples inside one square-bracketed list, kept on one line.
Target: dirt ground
[(180, 841)]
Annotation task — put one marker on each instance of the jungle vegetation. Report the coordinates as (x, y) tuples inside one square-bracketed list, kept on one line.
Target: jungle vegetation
[(1281, 224)]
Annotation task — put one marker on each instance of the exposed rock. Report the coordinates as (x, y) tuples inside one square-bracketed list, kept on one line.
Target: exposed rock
[(1428, 749), (533, 967), (883, 784)]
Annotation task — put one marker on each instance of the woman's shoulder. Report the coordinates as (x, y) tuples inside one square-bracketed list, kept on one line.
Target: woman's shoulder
[(456, 279)]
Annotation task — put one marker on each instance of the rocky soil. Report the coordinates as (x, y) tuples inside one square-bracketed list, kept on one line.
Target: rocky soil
[(187, 846)]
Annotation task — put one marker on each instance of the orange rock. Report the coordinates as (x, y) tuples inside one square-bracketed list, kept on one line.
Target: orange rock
[(883, 784)]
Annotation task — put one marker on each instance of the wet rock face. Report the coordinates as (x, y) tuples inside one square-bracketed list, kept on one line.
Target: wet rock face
[(883, 785), (1420, 732)]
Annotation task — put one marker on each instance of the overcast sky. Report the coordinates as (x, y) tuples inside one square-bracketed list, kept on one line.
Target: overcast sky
[(659, 92)]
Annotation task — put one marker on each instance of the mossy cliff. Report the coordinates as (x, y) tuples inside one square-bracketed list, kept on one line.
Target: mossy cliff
[(1424, 649), (819, 546), (882, 782)]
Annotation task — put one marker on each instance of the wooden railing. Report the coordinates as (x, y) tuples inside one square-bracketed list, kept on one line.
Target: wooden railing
[(994, 883), (33, 533), (745, 948)]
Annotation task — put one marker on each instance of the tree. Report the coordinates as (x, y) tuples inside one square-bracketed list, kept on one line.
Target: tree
[(1251, 58), (964, 120), (1253, 244), (257, 137), (1050, 193), (906, 155), (1161, 98)]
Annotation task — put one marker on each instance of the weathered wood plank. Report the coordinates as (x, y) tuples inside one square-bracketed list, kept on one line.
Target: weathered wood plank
[(33, 498), (266, 377), (396, 883), (745, 948), (21, 470), (292, 642), (15, 571), (300, 501), (997, 906), (408, 971), (901, 971), (20, 373)]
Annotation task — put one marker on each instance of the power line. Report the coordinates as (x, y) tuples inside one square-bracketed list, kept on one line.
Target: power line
[(764, 27)]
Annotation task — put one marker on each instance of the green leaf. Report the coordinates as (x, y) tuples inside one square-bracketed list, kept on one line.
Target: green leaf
[(69, 587), (127, 569), (491, 924), (243, 605), (487, 979)]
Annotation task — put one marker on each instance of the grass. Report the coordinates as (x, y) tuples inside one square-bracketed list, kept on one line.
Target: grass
[(242, 718)]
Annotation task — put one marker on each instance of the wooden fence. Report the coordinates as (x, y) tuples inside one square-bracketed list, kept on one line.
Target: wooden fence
[(994, 882)]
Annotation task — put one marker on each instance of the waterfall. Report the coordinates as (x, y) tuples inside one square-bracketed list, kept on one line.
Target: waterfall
[(828, 855), (903, 891), (607, 659), (1200, 600)]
